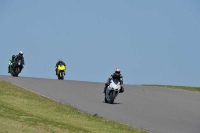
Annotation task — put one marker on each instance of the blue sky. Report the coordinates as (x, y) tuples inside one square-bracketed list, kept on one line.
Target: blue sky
[(155, 42)]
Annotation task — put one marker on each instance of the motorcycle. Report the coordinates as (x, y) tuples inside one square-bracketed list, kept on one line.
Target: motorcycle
[(61, 71), (112, 91), (16, 69)]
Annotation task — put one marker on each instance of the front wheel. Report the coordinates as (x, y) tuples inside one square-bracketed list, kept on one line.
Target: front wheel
[(17, 71), (111, 97), (61, 76)]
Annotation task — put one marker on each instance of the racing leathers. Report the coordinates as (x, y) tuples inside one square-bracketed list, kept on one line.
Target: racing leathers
[(17, 58)]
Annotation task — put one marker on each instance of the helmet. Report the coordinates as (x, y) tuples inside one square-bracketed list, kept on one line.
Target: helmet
[(117, 71), (13, 56), (20, 53)]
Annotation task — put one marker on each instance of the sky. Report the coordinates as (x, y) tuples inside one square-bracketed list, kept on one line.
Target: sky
[(152, 42)]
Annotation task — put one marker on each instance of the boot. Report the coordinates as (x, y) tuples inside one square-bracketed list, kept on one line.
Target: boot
[(121, 90), (106, 85), (104, 90)]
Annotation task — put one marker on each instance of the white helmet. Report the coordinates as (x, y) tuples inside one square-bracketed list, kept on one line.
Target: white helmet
[(117, 70), (20, 53)]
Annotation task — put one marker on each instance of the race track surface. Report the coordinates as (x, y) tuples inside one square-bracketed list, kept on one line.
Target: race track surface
[(154, 109)]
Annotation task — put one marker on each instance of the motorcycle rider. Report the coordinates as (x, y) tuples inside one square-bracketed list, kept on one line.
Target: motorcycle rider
[(10, 63), (19, 57), (59, 62), (116, 75)]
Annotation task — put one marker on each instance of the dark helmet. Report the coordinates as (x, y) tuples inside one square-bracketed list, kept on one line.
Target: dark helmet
[(13, 56)]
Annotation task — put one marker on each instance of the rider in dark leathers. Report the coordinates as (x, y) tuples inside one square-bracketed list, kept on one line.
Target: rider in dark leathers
[(19, 57), (118, 76)]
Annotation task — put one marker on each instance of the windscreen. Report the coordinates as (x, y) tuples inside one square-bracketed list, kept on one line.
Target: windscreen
[(115, 81)]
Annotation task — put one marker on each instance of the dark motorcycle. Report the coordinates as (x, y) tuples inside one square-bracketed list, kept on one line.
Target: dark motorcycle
[(16, 69)]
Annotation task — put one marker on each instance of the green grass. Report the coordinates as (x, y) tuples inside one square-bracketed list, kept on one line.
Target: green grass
[(197, 89), (24, 111)]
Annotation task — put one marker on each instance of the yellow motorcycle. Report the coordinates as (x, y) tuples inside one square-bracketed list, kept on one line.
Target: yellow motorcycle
[(61, 71)]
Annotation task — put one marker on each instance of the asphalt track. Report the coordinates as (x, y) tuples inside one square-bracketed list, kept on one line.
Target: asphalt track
[(154, 109)]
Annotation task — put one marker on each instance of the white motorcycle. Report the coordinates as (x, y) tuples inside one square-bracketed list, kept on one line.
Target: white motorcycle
[(112, 91)]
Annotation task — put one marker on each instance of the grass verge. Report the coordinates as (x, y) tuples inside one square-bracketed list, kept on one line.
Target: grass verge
[(24, 111), (197, 89)]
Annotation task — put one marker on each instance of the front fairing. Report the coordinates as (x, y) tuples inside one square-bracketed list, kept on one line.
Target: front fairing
[(114, 85), (61, 67)]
